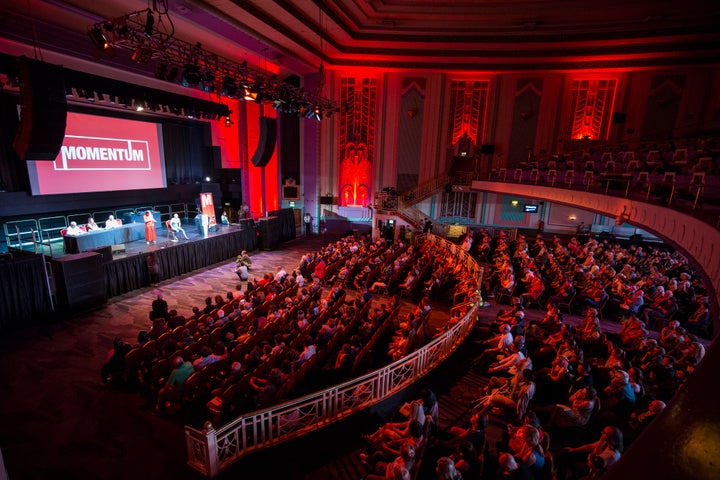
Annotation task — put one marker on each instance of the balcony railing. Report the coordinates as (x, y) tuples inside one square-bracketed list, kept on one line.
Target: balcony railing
[(213, 450)]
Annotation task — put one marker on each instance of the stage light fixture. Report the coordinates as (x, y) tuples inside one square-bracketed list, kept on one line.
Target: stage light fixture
[(229, 87), (149, 24), (191, 76), (139, 105), (207, 82), (98, 38), (173, 74), (162, 71)]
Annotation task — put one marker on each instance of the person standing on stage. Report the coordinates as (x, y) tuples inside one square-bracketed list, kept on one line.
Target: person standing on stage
[(149, 227), (308, 224), (176, 225)]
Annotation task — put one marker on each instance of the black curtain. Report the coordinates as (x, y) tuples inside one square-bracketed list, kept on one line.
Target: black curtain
[(286, 217), (23, 290), (13, 171), (131, 273), (186, 154)]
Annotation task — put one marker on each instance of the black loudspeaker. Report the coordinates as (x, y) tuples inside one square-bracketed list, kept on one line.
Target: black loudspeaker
[(618, 117), (105, 252), (79, 282), (269, 229), (488, 149), (327, 200), (266, 144), (43, 110)]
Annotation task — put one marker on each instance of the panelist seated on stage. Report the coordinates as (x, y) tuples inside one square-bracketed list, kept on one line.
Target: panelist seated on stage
[(74, 230), (112, 222), (91, 225), (176, 226)]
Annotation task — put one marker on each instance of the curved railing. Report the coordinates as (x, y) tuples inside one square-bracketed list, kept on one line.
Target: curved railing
[(212, 450)]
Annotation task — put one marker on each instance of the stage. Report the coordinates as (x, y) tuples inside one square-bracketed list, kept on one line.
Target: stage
[(83, 281)]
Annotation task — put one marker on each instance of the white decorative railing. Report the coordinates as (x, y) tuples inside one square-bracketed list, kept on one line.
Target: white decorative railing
[(211, 451)]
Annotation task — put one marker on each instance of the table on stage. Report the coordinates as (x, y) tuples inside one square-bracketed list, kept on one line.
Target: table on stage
[(101, 238)]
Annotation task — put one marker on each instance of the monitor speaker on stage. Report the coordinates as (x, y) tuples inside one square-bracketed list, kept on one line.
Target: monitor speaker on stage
[(43, 110), (266, 144)]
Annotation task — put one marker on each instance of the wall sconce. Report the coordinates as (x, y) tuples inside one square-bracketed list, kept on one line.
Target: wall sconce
[(572, 217), (514, 203), (412, 112)]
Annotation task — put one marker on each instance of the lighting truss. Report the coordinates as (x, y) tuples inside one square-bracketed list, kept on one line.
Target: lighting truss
[(140, 33)]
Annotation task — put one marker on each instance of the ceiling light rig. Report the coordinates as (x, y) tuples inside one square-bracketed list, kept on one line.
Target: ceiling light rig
[(146, 35)]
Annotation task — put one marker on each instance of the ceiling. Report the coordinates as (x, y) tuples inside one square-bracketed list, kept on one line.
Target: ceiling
[(296, 36)]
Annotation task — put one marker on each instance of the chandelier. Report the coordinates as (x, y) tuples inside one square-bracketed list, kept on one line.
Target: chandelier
[(192, 66)]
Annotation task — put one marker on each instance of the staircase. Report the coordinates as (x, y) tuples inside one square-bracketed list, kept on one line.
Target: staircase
[(403, 204)]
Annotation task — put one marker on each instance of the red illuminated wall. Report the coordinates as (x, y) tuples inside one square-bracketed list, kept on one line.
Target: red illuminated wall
[(357, 140), (468, 102), (592, 102)]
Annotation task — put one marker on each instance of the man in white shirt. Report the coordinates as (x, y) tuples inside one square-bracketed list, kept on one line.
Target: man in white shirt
[(176, 225), (111, 222), (74, 230)]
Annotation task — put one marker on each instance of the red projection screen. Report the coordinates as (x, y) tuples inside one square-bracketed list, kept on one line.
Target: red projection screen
[(102, 154)]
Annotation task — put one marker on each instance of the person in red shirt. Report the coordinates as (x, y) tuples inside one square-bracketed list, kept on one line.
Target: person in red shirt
[(149, 227)]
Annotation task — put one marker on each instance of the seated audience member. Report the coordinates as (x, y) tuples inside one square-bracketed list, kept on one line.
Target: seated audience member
[(603, 453), (175, 386), (382, 469), (91, 225), (111, 222), (516, 401), (74, 230), (391, 436), (266, 388), (577, 414), (445, 469), (176, 226), (509, 469)]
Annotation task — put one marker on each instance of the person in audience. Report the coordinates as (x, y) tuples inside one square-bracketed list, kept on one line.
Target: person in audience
[(111, 222), (150, 234), (114, 367), (175, 386), (176, 226), (445, 469), (579, 460), (91, 225), (74, 230), (577, 414), (516, 401), (509, 469)]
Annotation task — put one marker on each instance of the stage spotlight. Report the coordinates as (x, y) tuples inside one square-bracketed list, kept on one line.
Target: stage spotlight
[(162, 71), (207, 82), (229, 87), (139, 105), (98, 38), (149, 24), (173, 74), (228, 121), (191, 76), (250, 94)]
